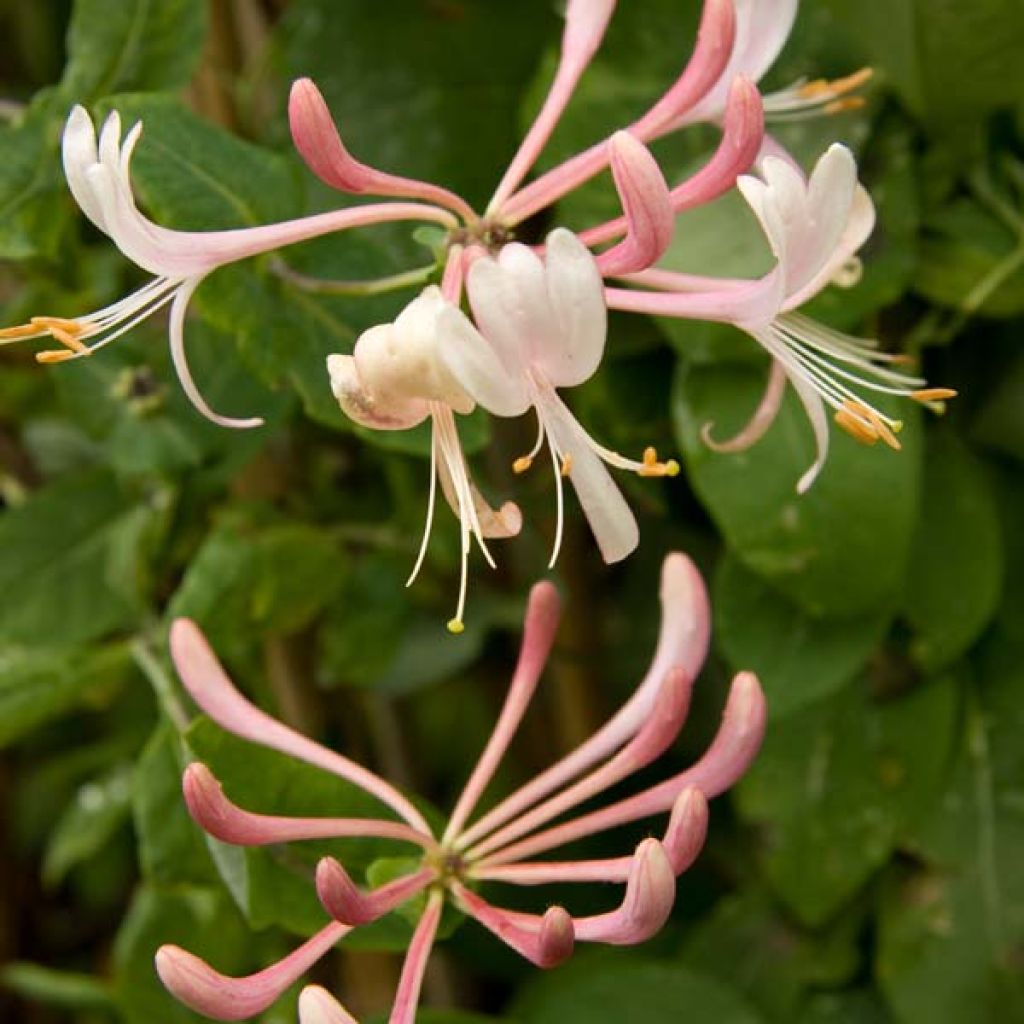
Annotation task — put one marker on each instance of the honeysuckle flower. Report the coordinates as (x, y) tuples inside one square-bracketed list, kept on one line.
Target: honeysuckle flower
[(99, 176), (500, 847), (394, 380), (541, 326), (815, 226), (762, 29)]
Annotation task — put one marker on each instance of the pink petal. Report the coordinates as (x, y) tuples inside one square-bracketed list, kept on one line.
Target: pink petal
[(210, 687), (657, 733), (650, 895), (683, 640), (201, 988), (731, 753), (347, 903), (545, 941), (585, 25), (758, 424), (683, 840), (649, 218), (317, 140), (318, 1006), (543, 611), (408, 996), (217, 815)]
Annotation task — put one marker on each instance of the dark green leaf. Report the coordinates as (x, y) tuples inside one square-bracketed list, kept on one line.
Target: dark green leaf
[(842, 548)]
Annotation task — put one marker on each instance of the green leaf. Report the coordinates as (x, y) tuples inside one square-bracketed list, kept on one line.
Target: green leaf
[(953, 926), (245, 580), (951, 62), (839, 550), (57, 552), (98, 810), (798, 658), (170, 844), (956, 568), (37, 686), (748, 943), (610, 988), (133, 44), (836, 785), (56, 988)]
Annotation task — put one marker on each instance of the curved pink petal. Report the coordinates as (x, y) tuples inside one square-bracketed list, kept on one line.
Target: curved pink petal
[(196, 984), (649, 219), (545, 941), (210, 687), (411, 982), (317, 140), (758, 424), (224, 820), (650, 896), (350, 905)]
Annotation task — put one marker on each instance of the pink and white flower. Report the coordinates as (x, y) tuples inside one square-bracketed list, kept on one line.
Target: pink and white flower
[(502, 846), (99, 176), (815, 226)]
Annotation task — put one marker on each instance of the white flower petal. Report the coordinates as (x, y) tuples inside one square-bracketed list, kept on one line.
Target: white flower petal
[(363, 407), (611, 519), (79, 153), (474, 362), (576, 294)]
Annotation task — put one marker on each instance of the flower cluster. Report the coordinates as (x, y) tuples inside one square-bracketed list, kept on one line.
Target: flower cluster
[(538, 314), (504, 845)]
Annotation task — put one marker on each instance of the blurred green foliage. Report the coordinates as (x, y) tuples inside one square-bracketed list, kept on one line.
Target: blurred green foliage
[(868, 870)]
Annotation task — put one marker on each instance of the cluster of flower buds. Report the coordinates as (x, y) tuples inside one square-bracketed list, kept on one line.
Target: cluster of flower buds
[(539, 313), (506, 844)]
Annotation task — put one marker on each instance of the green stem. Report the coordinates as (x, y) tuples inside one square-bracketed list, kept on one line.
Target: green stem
[(376, 286), (163, 686)]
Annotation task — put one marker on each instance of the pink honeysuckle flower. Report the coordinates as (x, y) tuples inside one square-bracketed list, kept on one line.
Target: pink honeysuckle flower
[(501, 846), (815, 226), (98, 175), (762, 29)]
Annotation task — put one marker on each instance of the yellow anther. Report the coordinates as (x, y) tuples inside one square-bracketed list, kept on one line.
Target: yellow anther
[(901, 359), (823, 87), (22, 331), (566, 465), (55, 355), (58, 323), (522, 464), (845, 103), (932, 394), (456, 626), (855, 426), (652, 467)]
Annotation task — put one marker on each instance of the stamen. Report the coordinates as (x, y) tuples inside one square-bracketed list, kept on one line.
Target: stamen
[(822, 87), (856, 427), (522, 464), (57, 355), (566, 465), (925, 395), (21, 331), (652, 467), (456, 626), (847, 103)]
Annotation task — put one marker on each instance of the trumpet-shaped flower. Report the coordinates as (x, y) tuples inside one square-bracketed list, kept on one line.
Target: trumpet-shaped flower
[(541, 326), (502, 846), (394, 380), (99, 176), (815, 226)]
